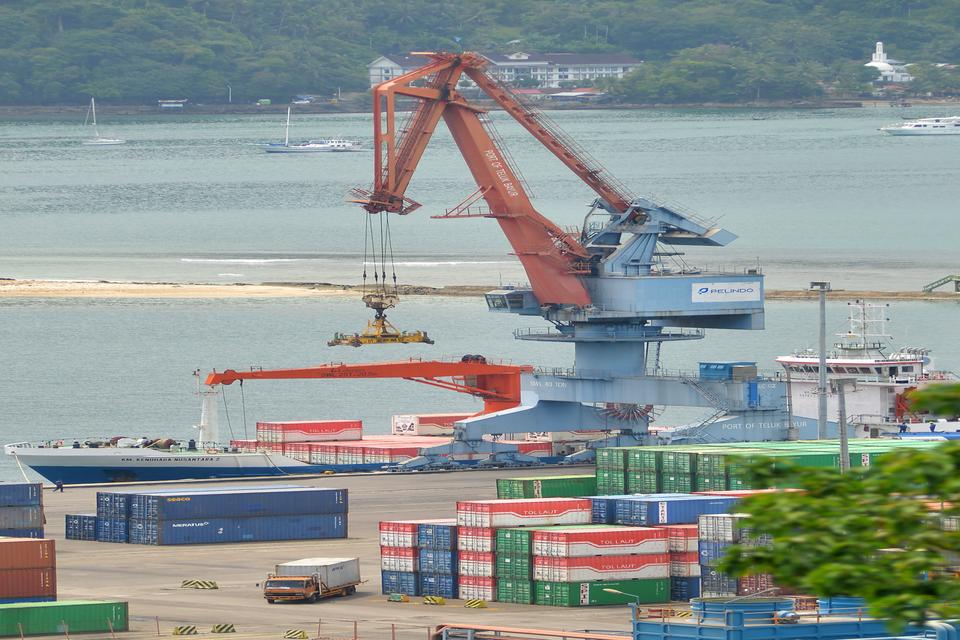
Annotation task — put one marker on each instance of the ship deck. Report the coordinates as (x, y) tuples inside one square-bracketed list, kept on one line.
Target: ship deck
[(149, 577)]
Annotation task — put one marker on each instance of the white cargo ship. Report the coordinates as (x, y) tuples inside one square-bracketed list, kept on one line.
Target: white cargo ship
[(876, 404)]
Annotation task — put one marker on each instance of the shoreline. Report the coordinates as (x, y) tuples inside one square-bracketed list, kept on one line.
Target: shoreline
[(14, 288), (358, 104)]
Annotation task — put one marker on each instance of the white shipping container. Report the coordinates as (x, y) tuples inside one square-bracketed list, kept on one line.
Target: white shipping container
[(333, 572), (720, 527), (426, 424)]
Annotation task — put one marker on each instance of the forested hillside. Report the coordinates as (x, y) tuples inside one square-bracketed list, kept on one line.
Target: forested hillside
[(133, 51)]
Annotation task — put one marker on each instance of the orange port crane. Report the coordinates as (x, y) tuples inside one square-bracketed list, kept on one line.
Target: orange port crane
[(498, 385), (553, 259)]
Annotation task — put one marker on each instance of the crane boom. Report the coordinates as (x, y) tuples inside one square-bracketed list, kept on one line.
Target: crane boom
[(553, 259), (498, 385)]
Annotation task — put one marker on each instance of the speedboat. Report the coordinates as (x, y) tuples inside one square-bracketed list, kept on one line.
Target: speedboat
[(925, 127)]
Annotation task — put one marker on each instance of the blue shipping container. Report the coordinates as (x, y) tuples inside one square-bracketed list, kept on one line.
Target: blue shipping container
[(683, 589), (81, 526), (438, 561), (236, 503), (21, 517), (111, 530), (30, 599), (653, 510), (254, 529), (116, 504), (34, 532), (21, 494), (715, 584), (437, 536), (438, 584), (405, 582), (711, 552)]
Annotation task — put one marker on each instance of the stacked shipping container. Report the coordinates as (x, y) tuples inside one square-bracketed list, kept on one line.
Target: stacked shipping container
[(690, 468), (419, 557), (221, 514), (21, 510), (28, 570), (717, 532)]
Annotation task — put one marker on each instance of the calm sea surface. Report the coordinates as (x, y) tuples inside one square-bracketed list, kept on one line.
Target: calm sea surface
[(812, 195)]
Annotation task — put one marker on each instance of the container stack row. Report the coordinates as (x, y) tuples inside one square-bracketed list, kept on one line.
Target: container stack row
[(21, 510), (696, 468), (216, 515), (419, 557)]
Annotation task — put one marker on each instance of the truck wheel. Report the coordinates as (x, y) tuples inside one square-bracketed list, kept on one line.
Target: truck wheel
[(312, 598), (270, 601), (351, 590)]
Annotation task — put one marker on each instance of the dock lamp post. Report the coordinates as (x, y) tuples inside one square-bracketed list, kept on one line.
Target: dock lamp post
[(822, 288), (636, 599)]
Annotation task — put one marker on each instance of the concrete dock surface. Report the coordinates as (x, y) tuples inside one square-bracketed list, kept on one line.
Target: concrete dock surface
[(149, 577)]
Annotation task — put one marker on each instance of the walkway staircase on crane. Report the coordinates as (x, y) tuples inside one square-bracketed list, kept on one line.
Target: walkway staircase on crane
[(936, 284)]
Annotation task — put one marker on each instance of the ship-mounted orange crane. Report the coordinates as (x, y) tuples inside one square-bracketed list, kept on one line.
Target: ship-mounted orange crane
[(498, 385), (553, 259)]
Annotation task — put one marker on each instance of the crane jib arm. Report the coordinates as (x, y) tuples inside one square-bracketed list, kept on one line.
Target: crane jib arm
[(498, 385), (553, 259)]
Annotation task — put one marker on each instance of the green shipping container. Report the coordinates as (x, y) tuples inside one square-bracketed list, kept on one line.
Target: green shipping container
[(679, 462), (711, 482), (515, 591), (547, 487), (514, 567), (515, 542), (57, 618), (612, 458), (642, 482), (581, 594), (611, 482), (644, 459), (677, 483)]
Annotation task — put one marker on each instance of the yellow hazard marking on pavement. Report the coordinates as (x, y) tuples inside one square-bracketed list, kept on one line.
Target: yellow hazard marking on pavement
[(199, 584), (186, 630), (434, 600), (476, 603), (223, 628), (295, 634)]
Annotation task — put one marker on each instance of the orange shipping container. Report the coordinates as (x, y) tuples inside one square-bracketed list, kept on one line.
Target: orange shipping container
[(28, 583), (27, 553)]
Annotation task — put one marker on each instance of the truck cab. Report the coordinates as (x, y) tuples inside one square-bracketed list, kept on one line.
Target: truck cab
[(291, 589)]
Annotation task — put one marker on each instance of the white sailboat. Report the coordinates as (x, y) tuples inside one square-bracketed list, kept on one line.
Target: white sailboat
[(310, 146), (97, 139)]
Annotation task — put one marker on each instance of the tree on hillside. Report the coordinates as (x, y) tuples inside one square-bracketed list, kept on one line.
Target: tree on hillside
[(878, 532)]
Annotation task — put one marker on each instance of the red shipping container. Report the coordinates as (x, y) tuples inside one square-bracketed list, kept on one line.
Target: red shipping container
[(476, 539), (637, 567), (477, 564), (478, 588), (27, 553), (524, 512), (298, 451), (403, 533), (28, 583), (611, 541), (399, 559), (310, 431), (682, 538), (685, 564)]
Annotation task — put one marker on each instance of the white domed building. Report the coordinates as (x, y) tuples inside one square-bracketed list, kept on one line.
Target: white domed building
[(891, 71)]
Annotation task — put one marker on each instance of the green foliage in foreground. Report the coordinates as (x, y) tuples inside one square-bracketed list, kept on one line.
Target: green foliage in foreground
[(941, 399), (870, 533), (61, 51)]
